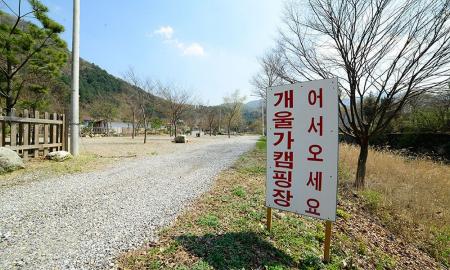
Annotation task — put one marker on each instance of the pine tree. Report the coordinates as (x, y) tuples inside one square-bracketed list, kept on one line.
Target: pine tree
[(30, 54)]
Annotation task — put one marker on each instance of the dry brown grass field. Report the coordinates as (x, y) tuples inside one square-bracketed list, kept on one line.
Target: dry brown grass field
[(410, 196)]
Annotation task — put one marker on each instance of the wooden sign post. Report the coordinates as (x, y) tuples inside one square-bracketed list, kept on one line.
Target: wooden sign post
[(302, 151), (269, 219), (326, 247)]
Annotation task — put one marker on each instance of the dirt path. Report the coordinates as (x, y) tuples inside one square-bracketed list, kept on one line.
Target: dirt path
[(83, 221)]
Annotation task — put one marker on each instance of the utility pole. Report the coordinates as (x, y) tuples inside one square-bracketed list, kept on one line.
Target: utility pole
[(262, 116), (75, 121)]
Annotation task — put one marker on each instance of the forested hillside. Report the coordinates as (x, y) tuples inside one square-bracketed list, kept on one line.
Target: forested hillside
[(98, 88)]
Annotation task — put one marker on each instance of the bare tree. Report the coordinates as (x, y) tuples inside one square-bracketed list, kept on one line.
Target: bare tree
[(143, 90), (176, 103), (384, 53), (130, 99), (268, 75), (232, 109), (211, 117), (195, 115)]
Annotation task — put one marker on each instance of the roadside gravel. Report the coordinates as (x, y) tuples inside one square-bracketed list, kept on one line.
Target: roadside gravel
[(84, 221)]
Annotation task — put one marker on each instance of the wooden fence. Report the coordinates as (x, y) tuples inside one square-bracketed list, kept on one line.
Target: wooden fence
[(33, 134)]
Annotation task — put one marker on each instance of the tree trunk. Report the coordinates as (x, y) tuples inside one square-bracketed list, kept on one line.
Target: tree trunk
[(134, 124), (228, 128), (9, 98), (210, 130), (175, 129), (9, 104), (145, 130), (361, 170)]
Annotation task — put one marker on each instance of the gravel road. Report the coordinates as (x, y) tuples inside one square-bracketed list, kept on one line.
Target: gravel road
[(84, 221)]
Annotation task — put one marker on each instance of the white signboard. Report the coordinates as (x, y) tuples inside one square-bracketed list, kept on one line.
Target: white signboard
[(302, 148)]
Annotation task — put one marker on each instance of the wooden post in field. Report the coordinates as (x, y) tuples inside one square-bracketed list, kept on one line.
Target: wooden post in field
[(54, 134), (269, 219), (66, 125), (326, 248), (62, 130), (13, 140), (46, 134), (36, 135), (25, 135)]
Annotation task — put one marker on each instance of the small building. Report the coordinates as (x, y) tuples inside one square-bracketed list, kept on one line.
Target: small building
[(123, 128), (96, 126)]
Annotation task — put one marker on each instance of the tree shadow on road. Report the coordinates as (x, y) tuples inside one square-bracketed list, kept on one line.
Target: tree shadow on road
[(241, 250)]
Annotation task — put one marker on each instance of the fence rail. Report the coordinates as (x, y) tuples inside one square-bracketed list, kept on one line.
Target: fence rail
[(33, 134)]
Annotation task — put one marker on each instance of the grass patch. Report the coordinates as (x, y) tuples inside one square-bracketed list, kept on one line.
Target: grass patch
[(255, 170), (253, 163), (440, 245), (239, 191), (411, 197), (372, 199), (261, 144), (40, 168), (209, 221), (77, 164), (384, 261), (343, 214)]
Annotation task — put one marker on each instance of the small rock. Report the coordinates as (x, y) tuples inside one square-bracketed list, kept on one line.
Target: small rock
[(181, 139), (58, 156), (9, 160)]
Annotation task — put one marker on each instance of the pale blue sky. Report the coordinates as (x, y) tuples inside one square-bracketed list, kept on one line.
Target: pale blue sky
[(209, 46)]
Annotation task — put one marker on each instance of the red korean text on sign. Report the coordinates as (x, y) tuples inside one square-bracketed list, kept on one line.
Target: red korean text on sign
[(313, 206), (287, 97), (315, 100), (316, 125), (315, 96), (283, 159)]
